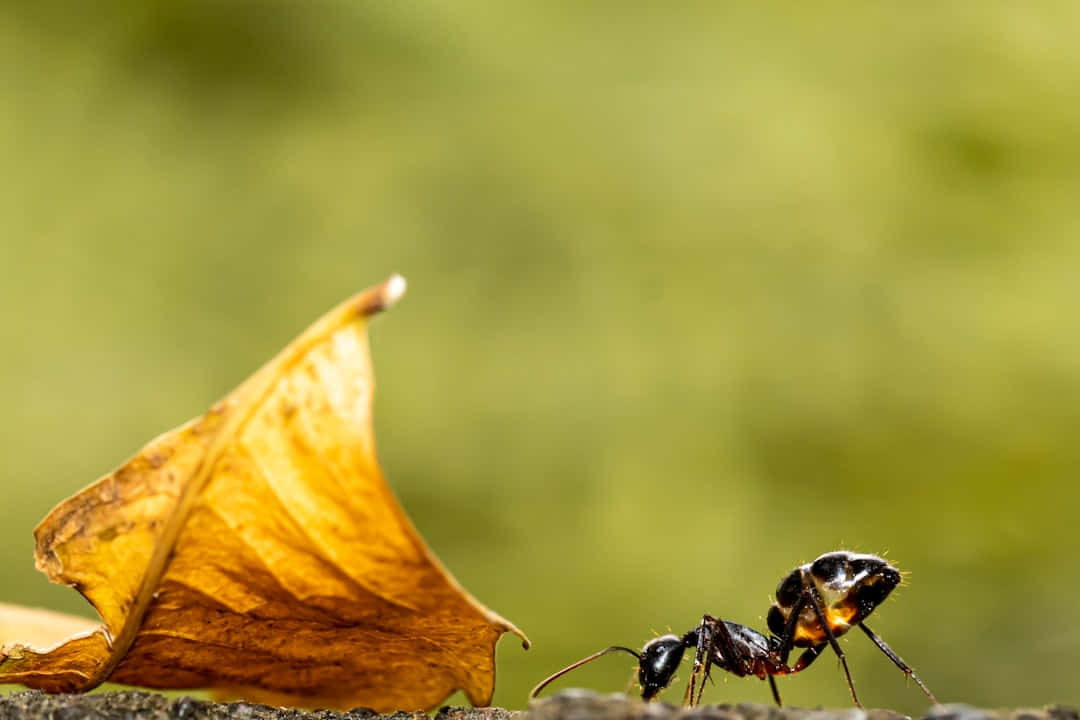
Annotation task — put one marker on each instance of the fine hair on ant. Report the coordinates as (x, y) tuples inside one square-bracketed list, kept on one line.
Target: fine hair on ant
[(815, 604)]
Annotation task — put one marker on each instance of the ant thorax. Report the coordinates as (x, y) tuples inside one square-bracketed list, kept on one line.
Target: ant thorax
[(849, 585)]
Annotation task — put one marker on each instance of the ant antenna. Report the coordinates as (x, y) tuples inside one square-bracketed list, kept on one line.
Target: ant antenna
[(614, 648)]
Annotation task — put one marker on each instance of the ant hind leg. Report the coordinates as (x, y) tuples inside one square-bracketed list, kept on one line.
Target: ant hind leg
[(775, 692), (898, 662), (808, 656)]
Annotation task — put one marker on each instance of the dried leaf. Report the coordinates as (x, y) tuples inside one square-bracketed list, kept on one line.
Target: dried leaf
[(258, 549)]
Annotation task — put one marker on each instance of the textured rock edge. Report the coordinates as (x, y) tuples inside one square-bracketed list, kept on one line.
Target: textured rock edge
[(567, 705)]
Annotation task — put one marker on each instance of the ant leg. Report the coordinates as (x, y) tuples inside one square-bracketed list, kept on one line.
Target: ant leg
[(819, 610), (898, 662), (787, 639), (701, 651), (808, 656), (720, 639), (775, 692)]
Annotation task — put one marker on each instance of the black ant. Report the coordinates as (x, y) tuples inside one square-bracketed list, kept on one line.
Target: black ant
[(815, 604)]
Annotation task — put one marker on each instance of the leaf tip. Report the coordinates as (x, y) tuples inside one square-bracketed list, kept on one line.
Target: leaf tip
[(511, 627), (394, 288), (382, 296)]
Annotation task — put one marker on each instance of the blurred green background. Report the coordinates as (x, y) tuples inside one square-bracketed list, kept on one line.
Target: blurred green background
[(696, 295)]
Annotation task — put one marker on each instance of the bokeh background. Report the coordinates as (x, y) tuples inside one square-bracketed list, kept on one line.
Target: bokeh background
[(696, 294)]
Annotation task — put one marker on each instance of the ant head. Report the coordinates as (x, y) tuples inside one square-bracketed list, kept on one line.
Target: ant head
[(657, 663), (660, 659)]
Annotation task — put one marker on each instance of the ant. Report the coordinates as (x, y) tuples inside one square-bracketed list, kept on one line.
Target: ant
[(815, 604)]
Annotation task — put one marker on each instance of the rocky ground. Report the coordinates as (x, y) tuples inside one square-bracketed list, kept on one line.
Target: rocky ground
[(569, 705)]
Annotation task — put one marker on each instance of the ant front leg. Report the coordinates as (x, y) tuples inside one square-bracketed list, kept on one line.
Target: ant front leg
[(721, 645), (703, 648)]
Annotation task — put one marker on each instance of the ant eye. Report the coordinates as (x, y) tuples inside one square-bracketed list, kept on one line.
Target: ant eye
[(828, 567), (787, 593)]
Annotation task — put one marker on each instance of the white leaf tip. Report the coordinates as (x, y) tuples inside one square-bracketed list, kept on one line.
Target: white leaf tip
[(395, 287)]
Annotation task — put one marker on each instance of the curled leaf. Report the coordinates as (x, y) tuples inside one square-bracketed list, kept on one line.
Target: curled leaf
[(257, 549)]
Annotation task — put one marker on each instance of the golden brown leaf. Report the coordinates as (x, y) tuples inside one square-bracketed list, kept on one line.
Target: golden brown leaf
[(259, 550)]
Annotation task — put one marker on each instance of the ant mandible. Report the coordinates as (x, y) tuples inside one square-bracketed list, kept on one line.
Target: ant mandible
[(815, 604)]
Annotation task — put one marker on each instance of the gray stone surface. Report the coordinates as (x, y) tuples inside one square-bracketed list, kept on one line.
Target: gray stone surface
[(567, 705)]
